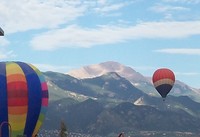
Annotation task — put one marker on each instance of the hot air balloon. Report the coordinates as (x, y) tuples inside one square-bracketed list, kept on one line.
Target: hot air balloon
[(163, 80), (23, 99)]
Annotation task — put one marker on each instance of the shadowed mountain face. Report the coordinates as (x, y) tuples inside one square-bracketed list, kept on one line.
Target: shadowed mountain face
[(108, 104), (129, 117), (92, 117), (110, 86)]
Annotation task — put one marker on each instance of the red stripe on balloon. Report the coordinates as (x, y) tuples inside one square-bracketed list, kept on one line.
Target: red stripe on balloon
[(163, 73), (17, 85), (17, 102)]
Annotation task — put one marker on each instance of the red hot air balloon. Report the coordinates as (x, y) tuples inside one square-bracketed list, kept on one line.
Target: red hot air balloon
[(23, 99), (163, 80)]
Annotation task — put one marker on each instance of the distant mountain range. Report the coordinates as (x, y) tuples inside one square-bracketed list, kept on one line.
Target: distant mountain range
[(108, 98), (138, 80)]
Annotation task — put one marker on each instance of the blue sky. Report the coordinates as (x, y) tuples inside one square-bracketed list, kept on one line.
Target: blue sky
[(60, 35)]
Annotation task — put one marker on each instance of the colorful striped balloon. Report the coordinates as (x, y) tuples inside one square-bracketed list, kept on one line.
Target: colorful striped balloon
[(23, 99), (163, 80)]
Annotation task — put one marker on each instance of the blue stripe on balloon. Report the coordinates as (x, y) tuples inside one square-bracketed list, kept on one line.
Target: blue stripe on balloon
[(34, 98), (3, 100), (164, 89)]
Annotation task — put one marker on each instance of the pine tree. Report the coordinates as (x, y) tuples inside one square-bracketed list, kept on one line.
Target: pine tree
[(63, 130)]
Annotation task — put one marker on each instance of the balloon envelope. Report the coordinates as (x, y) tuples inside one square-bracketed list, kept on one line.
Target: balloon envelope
[(23, 99), (163, 80)]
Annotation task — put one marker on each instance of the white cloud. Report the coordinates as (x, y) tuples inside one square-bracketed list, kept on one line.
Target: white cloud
[(168, 8), (180, 51), (23, 15), (76, 36), (109, 8)]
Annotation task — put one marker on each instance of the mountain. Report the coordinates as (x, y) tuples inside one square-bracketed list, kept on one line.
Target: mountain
[(77, 115), (107, 104), (172, 103), (138, 80), (94, 118), (57, 93), (183, 89), (96, 70), (128, 117), (113, 89), (108, 86)]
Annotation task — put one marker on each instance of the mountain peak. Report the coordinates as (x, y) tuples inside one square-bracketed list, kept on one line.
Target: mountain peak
[(111, 65), (96, 70)]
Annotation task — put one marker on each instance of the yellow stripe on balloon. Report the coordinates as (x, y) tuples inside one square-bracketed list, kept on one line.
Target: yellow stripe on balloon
[(17, 122), (13, 68), (37, 127), (39, 123), (18, 110), (35, 69)]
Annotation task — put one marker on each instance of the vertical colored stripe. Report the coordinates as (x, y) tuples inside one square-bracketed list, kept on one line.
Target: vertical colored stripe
[(34, 96), (45, 97), (3, 100), (17, 98)]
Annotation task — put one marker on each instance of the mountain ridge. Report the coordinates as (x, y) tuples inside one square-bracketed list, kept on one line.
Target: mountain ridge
[(143, 83)]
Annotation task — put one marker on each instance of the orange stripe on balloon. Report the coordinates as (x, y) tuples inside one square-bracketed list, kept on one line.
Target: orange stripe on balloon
[(18, 110), (15, 77)]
